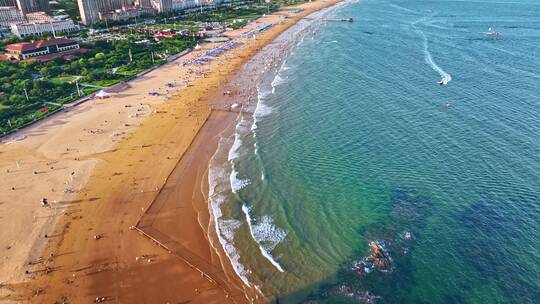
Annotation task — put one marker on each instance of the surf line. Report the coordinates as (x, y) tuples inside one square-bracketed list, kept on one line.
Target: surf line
[(445, 77), (265, 252)]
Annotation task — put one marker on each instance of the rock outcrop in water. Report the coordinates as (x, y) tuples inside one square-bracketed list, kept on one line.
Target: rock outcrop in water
[(384, 274), (378, 259)]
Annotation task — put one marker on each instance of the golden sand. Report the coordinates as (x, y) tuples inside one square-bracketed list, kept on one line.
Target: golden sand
[(101, 165)]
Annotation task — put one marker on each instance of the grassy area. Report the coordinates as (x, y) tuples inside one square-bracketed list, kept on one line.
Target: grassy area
[(60, 79), (25, 87), (105, 83), (87, 91)]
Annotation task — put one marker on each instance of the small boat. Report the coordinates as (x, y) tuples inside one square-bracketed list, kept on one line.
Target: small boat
[(441, 82), (491, 32)]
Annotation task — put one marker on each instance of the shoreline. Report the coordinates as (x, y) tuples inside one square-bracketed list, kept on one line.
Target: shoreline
[(117, 185), (245, 79), (258, 76)]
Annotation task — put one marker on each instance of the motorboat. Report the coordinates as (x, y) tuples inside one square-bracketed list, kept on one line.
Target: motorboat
[(491, 32)]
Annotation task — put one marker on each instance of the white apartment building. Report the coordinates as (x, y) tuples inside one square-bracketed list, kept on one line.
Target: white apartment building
[(24, 29)]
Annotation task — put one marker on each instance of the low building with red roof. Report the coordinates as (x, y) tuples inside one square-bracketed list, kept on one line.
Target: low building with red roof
[(26, 50)]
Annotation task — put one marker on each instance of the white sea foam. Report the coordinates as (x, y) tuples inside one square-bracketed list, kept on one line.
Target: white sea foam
[(262, 110), (266, 234), (241, 128), (224, 228), (237, 184), (234, 151), (277, 80)]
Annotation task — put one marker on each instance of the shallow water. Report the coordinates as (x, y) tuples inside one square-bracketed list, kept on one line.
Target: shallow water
[(355, 141)]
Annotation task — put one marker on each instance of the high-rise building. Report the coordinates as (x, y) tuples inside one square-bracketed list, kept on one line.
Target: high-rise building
[(30, 6), (88, 10), (8, 2), (10, 14), (144, 3), (163, 6), (91, 9)]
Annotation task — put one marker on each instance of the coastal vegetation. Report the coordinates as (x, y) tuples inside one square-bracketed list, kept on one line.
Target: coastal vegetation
[(114, 53), (29, 90)]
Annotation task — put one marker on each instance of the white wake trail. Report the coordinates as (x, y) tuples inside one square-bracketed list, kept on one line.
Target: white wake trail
[(445, 77)]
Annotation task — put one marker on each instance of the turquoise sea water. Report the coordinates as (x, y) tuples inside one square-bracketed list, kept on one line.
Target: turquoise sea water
[(355, 141)]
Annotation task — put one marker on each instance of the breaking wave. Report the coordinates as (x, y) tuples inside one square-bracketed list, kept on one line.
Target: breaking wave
[(267, 236), (225, 228), (261, 109), (237, 183), (234, 151)]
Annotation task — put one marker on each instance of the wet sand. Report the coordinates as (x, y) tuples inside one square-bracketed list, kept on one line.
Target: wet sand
[(102, 170)]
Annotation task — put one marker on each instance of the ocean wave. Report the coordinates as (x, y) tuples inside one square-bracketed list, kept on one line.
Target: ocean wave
[(278, 80), (237, 184), (234, 152), (284, 66), (242, 127), (222, 165), (261, 109), (267, 236), (224, 228)]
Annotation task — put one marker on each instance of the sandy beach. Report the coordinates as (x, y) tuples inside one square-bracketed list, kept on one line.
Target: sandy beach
[(115, 169)]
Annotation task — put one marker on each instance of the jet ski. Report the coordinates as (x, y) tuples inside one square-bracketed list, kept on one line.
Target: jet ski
[(491, 32)]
